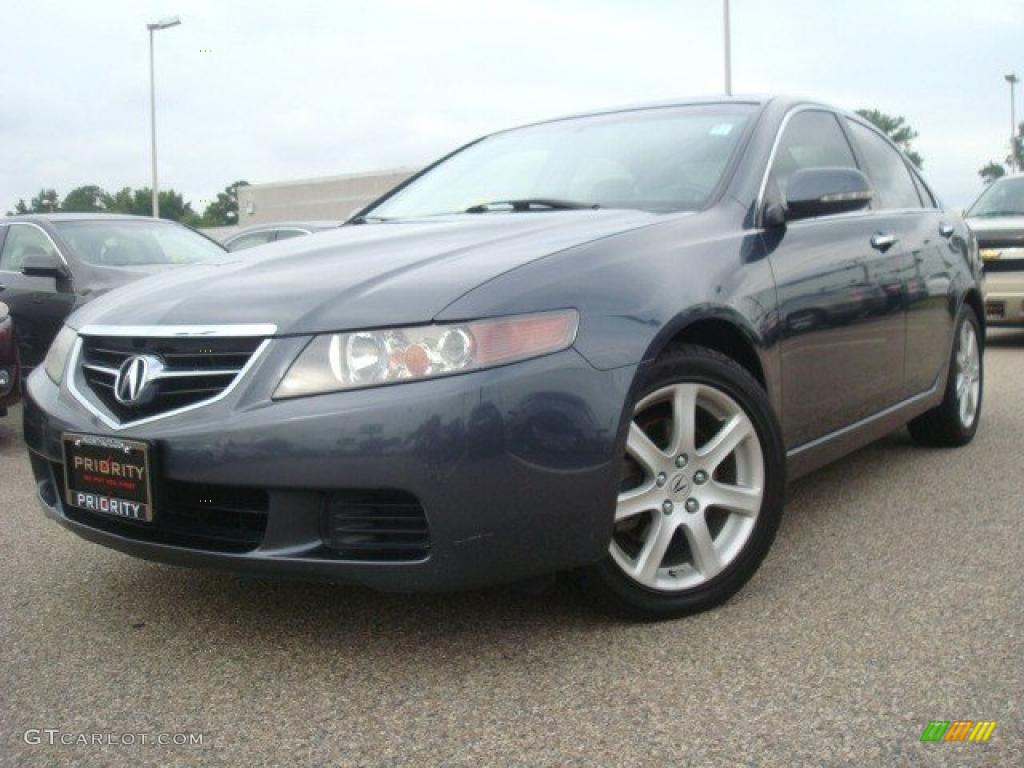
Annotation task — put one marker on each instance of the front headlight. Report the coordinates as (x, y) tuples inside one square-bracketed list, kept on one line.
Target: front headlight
[(360, 359), (57, 357)]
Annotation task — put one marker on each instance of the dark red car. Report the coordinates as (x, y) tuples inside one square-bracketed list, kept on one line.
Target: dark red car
[(10, 376)]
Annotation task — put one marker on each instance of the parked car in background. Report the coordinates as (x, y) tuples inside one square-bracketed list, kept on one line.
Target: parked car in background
[(10, 375), (588, 344), (261, 234), (52, 263), (997, 219)]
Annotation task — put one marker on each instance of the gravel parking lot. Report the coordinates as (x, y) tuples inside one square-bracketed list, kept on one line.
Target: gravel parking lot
[(893, 596)]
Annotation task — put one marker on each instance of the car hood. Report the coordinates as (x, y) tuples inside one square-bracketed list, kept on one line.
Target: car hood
[(373, 275), (998, 228)]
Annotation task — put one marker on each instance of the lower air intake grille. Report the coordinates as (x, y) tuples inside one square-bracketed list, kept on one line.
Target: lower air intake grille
[(375, 525)]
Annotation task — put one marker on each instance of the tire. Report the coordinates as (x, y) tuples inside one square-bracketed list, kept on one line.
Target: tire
[(701, 500), (947, 424)]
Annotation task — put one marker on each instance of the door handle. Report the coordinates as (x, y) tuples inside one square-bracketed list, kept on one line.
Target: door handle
[(2, 287), (946, 230), (882, 242)]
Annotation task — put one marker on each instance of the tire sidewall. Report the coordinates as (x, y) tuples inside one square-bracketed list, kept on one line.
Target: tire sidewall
[(965, 434), (703, 366)]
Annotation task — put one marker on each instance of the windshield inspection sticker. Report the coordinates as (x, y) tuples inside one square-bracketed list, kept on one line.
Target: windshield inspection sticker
[(722, 129)]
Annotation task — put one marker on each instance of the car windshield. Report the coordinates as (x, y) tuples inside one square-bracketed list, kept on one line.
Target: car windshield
[(126, 243), (1004, 198), (665, 159)]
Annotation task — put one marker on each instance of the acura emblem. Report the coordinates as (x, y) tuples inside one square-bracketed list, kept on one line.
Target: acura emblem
[(133, 385), (680, 484)]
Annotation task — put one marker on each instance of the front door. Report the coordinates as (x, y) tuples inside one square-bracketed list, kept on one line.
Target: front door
[(839, 296)]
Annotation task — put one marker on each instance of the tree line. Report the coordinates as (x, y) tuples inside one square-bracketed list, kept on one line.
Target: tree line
[(91, 198)]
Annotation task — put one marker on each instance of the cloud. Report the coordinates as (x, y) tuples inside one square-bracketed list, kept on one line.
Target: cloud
[(296, 90)]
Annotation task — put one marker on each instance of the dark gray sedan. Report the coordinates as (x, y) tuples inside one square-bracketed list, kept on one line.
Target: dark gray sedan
[(52, 263), (598, 344)]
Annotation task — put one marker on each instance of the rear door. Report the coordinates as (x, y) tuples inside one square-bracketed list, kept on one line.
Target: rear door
[(38, 305), (842, 330), (921, 254)]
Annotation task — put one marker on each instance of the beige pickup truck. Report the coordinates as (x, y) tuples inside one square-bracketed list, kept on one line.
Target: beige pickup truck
[(997, 218)]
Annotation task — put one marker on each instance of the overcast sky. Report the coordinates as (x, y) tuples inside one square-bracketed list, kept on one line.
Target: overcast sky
[(294, 89)]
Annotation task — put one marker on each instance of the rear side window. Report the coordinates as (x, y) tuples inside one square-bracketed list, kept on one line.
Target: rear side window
[(887, 169), (24, 240), (811, 139)]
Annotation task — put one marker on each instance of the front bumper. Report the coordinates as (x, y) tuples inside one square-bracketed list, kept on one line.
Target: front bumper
[(1004, 298), (516, 469)]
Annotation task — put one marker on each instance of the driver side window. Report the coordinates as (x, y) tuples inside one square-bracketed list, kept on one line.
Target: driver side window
[(811, 139), (22, 241)]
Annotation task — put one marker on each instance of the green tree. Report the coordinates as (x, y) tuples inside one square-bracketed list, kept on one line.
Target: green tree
[(173, 206), (224, 210), (87, 199), (992, 171), (119, 202), (1018, 149), (47, 201), (19, 208), (139, 202), (897, 129)]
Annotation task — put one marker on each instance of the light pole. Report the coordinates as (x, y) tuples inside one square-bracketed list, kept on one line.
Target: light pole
[(1012, 79), (170, 21), (728, 48)]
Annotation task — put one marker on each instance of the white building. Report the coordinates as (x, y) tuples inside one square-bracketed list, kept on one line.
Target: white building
[(328, 197)]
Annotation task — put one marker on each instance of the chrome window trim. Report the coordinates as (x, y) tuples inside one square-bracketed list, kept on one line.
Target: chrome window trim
[(176, 331), (72, 371), (60, 253)]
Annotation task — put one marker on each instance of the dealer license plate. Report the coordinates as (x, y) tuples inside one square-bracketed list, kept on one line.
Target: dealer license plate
[(108, 475)]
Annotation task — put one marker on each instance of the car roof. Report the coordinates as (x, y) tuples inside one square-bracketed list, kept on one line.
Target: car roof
[(54, 217), (782, 101), (311, 224)]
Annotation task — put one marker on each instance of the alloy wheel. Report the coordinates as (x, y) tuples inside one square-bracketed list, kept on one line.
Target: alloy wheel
[(968, 375), (692, 487)]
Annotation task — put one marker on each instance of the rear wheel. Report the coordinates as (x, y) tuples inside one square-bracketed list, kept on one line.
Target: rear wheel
[(954, 422), (701, 491)]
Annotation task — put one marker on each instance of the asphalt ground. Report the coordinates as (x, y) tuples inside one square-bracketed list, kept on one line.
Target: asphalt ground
[(893, 596)]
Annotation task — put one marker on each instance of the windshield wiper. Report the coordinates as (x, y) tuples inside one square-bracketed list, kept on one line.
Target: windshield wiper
[(997, 213), (530, 203)]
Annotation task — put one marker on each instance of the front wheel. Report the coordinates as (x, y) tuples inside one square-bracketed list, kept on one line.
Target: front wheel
[(701, 492)]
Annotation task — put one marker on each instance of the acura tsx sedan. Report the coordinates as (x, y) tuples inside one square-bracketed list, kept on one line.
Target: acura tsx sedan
[(599, 344)]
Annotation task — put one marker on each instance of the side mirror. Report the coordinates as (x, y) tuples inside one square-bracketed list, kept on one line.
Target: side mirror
[(43, 264), (824, 191)]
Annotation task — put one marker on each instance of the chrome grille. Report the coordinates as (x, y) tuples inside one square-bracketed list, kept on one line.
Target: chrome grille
[(195, 369)]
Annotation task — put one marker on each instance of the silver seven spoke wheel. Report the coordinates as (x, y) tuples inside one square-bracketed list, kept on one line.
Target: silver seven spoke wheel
[(968, 375), (692, 487)]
